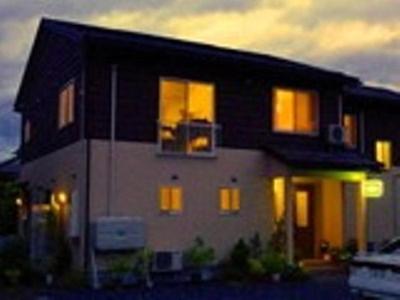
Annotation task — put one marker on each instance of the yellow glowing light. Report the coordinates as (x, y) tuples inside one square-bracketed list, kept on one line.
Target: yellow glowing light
[(62, 198), (373, 188), (18, 202)]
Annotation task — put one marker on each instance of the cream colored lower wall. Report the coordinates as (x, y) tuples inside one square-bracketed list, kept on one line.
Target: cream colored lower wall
[(139, 172), (62, 170), (383, 213)]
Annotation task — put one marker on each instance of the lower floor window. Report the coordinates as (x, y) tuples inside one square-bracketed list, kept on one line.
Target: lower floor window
[(229, 200), (171, 199)]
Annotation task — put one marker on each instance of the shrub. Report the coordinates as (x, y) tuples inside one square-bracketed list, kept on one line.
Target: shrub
[(73, 279), (199, 255), (294, 273), (14, 261), (255, 246), (256, 268), (240, 255), (273, 262)]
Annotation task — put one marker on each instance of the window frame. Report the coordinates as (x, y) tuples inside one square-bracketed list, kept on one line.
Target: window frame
[(215, 127), (64, 87), (316, 96), (169, 211), (230, 212)]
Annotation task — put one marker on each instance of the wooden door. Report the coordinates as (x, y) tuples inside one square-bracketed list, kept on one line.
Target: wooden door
[(304, 231)]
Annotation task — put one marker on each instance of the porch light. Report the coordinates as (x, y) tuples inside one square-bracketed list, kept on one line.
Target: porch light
[(18, 202), (373, 188), (62, 198)]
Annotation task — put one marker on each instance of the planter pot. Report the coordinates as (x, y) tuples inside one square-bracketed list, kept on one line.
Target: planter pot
[(202, 274), (276, 277)]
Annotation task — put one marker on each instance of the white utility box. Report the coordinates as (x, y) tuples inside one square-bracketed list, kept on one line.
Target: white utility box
[(119, 233)]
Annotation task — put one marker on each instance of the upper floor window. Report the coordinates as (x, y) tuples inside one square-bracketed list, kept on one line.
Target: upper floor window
[(171, 201), (66, 104), (27, 131), (350, 129), (383, 153), (295, 111), (186, 122), (229, 200)]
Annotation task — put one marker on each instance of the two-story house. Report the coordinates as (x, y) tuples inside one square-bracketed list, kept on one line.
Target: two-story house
[(193, 139)]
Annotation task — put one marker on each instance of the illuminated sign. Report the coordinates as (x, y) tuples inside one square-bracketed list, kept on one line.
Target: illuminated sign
[(373, 188)]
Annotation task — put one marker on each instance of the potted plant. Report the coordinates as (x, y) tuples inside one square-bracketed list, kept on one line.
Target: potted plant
[(274, 264), (142, 262), (121, 271), (199, 259)]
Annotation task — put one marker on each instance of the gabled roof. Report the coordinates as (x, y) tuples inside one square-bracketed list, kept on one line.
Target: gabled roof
[(80, 33), (373, 94), (10, 168)]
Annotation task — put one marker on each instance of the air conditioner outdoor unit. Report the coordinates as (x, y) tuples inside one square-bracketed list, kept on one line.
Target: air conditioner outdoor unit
[(336, 134), (167, 261)]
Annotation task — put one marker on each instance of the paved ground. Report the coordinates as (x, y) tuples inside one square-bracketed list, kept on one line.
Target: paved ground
[(326, 288)]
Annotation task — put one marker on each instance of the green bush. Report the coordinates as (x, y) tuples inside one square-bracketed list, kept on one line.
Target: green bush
[(199, 255), (73, 279), (255, 268), (294, 273), (273, 262), (14, 262), (240, 255)]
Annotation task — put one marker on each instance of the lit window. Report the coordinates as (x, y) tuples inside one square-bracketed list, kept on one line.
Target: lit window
[(229, 200), (383, 153), (350, 129), (295, 111), (302, 203), (27, 131), (66, 105), (170, 199), (279, 197), (186, 116)]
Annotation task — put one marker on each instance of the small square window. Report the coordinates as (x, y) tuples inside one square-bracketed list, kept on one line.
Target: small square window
[(229, 200), (171, 199)]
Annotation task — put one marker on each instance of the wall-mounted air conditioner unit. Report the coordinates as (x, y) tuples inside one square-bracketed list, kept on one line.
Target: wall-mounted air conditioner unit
[(167, 261), (336, 134)]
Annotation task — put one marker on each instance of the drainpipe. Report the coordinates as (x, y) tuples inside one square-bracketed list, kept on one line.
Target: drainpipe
[(111, 149)]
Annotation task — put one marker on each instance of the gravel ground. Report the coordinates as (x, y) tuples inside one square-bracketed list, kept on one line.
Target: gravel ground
[(323, 287)]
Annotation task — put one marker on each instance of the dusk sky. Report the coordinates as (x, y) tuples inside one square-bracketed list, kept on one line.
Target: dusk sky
[(359, 37)]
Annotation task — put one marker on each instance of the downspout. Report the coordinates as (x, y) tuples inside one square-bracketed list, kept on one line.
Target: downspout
[(87, 155), (111, 149)]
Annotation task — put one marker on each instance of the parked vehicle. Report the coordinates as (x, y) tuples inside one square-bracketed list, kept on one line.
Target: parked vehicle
[(377, 274)]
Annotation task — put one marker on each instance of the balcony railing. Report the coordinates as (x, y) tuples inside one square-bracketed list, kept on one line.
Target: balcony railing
[(189, 137)]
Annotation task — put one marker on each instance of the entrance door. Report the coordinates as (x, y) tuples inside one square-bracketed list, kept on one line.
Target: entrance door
[(304, 221)]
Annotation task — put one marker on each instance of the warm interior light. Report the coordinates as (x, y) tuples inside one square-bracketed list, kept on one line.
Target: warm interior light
[(18, 202), (279, 197), (383, 152)]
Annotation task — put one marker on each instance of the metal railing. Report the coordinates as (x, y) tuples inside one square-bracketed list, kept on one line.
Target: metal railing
[(188, 137)]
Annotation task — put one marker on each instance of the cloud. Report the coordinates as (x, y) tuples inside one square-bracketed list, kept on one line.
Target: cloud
[(358, 37)]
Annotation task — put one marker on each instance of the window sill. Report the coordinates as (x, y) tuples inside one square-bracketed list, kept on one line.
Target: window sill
[(170, 213), (229, 213), (295, 133), (210, 155)]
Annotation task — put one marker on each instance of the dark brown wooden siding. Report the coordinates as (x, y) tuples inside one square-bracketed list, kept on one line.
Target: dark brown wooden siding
[(56, 61), (381, 123), (243, 97)]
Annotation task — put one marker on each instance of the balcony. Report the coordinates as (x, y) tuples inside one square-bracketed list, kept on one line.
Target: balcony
[(194, 137)]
